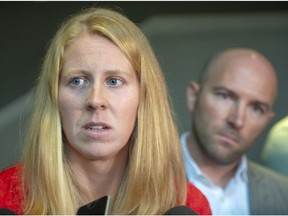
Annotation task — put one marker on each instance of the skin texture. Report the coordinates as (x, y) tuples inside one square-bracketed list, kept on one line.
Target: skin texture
[(98, 101), (230, 109)]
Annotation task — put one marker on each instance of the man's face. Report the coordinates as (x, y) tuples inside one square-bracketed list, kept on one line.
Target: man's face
[(232, 108)]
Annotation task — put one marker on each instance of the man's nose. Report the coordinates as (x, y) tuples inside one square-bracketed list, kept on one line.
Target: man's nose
[(237, 116)]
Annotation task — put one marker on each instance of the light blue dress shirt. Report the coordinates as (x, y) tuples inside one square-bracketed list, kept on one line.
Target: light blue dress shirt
[(231, 200)]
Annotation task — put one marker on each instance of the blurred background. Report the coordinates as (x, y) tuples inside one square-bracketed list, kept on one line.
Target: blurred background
[(183, 34)]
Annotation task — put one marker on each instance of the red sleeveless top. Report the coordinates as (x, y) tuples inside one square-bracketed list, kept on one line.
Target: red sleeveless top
[(11, 193)]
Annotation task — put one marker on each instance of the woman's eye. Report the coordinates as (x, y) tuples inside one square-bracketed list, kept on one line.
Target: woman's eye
[(114, 82), (77, 81)]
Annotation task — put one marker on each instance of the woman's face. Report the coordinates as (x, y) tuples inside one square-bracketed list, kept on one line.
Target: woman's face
[(98, 99)]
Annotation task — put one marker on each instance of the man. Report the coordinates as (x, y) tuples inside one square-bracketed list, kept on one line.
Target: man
[(231, 105), (275, 151)]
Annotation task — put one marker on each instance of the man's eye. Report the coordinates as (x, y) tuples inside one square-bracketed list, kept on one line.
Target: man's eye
[(222, 95), (258, 109), (114, 82)]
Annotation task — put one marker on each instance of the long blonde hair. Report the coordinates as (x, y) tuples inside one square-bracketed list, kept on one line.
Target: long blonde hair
[(155, 179)]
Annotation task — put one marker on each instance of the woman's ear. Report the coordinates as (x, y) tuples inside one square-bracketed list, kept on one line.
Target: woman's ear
[(191, 95)]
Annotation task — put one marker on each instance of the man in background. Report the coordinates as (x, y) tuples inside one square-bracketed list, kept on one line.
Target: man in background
[(231, 105)]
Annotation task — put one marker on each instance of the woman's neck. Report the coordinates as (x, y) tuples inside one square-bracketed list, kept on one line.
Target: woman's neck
[(99, 178)]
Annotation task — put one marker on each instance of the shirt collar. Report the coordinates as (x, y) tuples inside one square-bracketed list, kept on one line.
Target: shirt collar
[(241, 172), (193, 171)]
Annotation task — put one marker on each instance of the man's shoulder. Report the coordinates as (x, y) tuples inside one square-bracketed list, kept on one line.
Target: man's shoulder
[(268, 190), (259, 173)]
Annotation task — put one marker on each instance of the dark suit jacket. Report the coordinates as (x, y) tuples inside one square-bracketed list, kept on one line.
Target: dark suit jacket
[(268, 190)]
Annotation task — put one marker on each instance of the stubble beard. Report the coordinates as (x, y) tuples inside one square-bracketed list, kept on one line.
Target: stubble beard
[(212, 151)]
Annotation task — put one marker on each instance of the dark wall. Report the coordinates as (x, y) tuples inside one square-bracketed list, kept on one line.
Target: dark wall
[(26, 28)]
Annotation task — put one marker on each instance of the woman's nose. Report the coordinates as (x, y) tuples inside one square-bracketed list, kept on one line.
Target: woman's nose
[(96, 99)]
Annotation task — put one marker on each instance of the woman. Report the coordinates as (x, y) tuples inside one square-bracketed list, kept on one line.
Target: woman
[(101, 125)]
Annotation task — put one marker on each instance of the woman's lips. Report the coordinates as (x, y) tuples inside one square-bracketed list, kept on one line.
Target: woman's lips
[(96, 130)]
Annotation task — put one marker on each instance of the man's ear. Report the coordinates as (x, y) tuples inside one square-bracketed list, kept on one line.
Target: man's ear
[(191, 95)]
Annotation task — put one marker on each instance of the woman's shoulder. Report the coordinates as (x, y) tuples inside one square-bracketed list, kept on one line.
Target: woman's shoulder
[(197, 201), (10, 171), (10, 189)]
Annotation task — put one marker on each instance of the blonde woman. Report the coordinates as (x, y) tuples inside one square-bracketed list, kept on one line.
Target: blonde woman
[(101, 125)]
